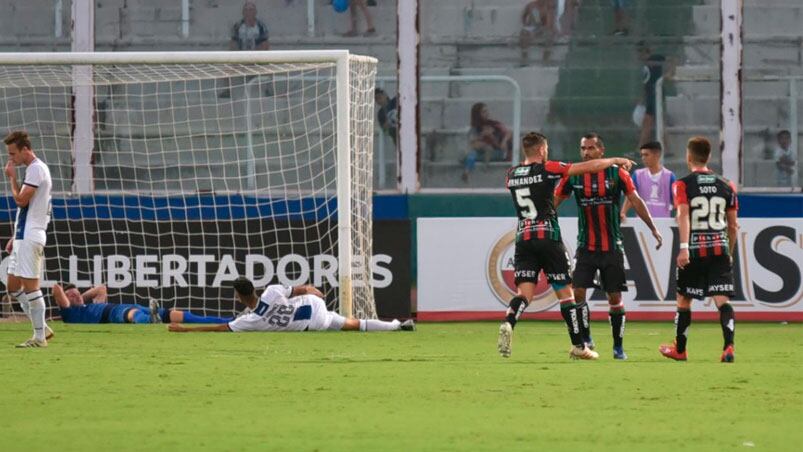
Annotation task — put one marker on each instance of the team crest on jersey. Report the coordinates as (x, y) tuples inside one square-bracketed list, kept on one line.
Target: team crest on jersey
[(706, 179), (500, 273), (521, 171)]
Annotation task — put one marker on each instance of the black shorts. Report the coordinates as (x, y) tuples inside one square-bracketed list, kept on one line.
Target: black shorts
[(611, 267), (532, 256), (706, 277)]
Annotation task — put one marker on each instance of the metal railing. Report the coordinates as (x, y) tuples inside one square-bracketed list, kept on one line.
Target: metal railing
[(792, 83), (381, 82)]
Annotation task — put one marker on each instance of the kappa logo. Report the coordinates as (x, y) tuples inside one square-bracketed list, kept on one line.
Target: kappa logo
[(501, 275)]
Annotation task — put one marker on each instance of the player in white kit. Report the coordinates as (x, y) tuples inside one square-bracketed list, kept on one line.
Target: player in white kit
[(27, 245), (285, 308)]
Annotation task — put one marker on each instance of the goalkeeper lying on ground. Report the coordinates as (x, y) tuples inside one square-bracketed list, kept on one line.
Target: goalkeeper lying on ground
[(285, 308), (75, 309)]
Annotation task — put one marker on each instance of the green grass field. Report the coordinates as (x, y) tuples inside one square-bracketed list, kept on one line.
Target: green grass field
[(130, 387)]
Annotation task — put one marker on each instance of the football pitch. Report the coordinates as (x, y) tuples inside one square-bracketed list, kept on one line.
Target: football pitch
[(444, 387)]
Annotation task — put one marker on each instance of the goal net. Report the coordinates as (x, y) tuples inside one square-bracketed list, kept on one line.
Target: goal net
[(175, 173)]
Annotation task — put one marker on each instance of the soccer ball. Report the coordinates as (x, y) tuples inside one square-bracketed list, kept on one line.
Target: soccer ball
[(340, 6)]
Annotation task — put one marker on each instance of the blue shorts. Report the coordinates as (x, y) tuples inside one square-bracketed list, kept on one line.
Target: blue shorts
[(118, 313)]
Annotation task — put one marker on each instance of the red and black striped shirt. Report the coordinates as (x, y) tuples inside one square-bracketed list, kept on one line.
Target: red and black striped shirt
[(598, 198)]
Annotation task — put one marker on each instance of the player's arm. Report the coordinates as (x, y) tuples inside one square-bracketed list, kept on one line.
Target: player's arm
[(97, 293), (625, 208), (60, 297), (179, 328), (644, 214), (562, 191), (684, 228), (733, 229), (22, 196), (593, 166)]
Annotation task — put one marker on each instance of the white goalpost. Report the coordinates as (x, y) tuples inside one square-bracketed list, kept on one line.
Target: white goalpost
[(176, 172)]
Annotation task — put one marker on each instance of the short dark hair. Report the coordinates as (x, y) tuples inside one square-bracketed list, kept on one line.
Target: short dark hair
[(379, 91), (533, 140), (19, 138), (69, 286), (782, 133), (654, 146), (594, 136), (243, 286), (699, 148)]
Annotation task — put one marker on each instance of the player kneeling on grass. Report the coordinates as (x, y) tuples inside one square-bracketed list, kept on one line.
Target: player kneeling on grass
[(285, 308), (75, 309)]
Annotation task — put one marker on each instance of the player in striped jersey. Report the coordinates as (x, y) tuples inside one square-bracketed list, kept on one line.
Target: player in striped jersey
[(285, 308), (538, 241), (707, 224), (599, 239)]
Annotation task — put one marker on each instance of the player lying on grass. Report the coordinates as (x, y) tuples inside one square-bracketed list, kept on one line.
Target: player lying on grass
[(285, 308), (75, 309)]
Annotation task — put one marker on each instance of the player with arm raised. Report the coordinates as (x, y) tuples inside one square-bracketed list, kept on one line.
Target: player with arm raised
[(707, 224), (285, 308), (599, 239), (28, 243), (538, 241), (91, 307)]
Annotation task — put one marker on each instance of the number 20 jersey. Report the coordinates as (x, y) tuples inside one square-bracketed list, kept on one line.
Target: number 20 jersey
[(533, 187), (276, 310), (709, 197)]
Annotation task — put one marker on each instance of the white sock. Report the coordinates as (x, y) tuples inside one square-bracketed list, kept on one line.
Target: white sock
[(37, 307), (22, 299), (379, 325)]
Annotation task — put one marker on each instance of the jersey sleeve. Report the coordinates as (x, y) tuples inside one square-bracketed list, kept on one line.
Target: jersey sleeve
[(671, 192), (247, 322), (561, 168), (733, 199), (33, 176), (679, 193), (627, 181), (564, 188), (263, 33), (276, 292)]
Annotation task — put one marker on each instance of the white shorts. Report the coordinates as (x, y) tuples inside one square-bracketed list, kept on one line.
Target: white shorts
[(323, 319), (26, 259)]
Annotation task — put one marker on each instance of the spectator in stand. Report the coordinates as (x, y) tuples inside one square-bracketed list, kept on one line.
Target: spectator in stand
[(249, 33), (537, 21), (785, 165), (653, 183), (488, 137), (654, 67), (566, 16), (620, 18), (369, 20), (388, 113)]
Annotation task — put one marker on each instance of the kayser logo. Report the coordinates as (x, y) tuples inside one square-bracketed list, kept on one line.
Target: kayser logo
[(501, 278)]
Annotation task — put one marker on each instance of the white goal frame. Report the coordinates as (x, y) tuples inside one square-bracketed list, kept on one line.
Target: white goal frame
[(340, 58)]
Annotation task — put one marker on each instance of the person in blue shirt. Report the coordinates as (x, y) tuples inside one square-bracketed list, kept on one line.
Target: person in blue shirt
[(91, 307)]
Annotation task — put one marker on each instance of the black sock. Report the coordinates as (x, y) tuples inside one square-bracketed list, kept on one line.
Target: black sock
[(617, 318), (569, 314), (585, 325), (515, 308), (727, 320), (682, 322)]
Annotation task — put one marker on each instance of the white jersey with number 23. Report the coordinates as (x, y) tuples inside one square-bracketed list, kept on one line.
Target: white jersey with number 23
[(278, 311)]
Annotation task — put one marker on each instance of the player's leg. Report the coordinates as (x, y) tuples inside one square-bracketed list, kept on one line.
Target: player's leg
[(585, 269), (340, 323), (616, 317), (28, 268), (557, 266), (138, 315), (720, 288), (690, 284), (614, 282), (176, 316), (526, 271)]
